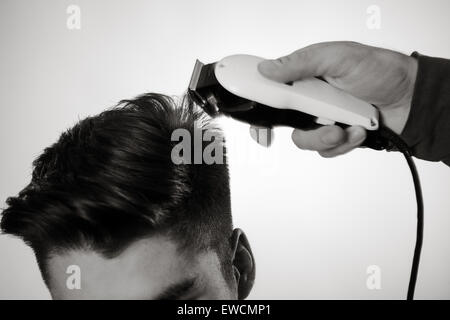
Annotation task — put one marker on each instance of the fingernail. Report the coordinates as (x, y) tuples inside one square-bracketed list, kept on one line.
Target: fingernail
[(356, 135), (331, 139)]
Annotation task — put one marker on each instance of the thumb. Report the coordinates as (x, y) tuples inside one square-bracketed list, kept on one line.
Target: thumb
[(322, 59)]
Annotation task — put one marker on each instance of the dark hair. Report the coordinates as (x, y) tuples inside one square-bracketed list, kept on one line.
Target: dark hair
[(110, 181)]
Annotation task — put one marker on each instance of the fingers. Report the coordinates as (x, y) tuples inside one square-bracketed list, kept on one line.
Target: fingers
[(322, 59), (323, 138), (329, 141), (355, 136)]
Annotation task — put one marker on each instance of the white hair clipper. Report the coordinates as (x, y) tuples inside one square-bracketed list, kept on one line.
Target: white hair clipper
[(234, 87)]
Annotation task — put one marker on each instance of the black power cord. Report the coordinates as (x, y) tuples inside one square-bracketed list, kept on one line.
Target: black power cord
[(215, 100), (399, 144)]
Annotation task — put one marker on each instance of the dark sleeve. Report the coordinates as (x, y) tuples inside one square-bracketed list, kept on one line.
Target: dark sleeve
[(427, 130)]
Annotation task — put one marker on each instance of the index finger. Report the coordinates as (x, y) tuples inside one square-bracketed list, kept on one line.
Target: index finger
[(327, 59)]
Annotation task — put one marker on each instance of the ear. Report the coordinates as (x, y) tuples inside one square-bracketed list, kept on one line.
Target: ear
[(243, 263)]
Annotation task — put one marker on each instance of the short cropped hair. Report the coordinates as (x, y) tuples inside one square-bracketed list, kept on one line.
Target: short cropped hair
[(109, 181)]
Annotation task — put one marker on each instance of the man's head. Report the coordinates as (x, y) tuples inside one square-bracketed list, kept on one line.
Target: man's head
[(107, 200)]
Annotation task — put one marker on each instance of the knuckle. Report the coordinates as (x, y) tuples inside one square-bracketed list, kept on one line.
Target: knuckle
[(300, 55), (285, 60)]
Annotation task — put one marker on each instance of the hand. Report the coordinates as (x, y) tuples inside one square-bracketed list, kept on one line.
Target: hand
[(378, 76)]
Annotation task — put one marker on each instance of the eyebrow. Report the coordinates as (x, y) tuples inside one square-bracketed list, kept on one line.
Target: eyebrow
[(177, 291)]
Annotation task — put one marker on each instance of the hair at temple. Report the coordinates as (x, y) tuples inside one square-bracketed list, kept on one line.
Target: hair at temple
[(110, 181)]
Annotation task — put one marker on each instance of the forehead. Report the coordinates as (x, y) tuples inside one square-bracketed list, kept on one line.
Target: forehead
[(140, 272)]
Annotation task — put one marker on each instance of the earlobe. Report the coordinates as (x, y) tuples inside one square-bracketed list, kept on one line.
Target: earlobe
[(243, 263)]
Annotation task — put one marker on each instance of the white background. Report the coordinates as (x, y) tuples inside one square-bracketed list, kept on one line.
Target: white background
[(315, 224)]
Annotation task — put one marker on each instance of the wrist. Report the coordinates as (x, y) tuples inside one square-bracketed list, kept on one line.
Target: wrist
[(396, 117)]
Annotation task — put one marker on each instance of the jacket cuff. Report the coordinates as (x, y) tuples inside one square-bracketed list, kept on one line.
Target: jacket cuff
[(427, 130)]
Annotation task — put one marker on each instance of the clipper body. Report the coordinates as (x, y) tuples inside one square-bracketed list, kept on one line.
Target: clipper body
[(233, 86)]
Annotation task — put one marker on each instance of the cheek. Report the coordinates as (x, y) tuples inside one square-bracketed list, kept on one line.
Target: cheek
[(223, 293)]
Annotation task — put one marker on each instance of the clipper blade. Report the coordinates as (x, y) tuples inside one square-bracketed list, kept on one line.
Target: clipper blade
[(201, 87)]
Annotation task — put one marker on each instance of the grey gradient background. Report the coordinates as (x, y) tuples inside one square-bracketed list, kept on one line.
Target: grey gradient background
[(315, 224)]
